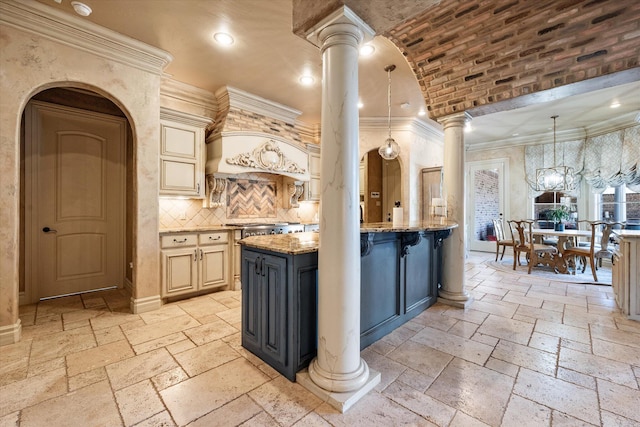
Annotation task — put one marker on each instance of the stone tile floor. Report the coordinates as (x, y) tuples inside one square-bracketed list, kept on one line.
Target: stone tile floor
[(527, 352)]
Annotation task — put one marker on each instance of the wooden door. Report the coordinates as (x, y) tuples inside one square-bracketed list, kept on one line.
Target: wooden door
[(75, 192)]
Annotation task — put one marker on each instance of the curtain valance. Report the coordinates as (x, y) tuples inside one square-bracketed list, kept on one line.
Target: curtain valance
[(603, 161)]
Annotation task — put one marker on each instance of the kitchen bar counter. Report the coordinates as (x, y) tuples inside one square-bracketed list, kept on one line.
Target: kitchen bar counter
[(400, 274), (301, 243)]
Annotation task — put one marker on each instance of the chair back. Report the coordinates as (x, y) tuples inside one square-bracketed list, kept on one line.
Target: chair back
[(498, 229), (521, 234), (607, 228), (594, 227)]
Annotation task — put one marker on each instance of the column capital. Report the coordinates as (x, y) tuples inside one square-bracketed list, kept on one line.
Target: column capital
[(342, 15), (458, 119)]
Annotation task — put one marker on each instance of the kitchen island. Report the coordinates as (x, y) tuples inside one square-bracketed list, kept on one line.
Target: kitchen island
[(401, 270)]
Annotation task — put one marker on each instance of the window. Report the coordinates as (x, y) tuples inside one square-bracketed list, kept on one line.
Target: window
[(625, 206), (546, 202)]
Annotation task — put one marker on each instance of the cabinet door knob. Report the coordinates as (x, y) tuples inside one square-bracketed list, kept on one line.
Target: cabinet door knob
[(200, 254), (180, 241), (257, 267), (216, 238), (195, 255)]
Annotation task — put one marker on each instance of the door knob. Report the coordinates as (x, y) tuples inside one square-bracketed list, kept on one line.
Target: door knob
[(49, 230)]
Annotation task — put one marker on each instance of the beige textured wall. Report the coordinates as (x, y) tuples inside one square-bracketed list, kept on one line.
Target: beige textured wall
[(416, 152), (31, 63)]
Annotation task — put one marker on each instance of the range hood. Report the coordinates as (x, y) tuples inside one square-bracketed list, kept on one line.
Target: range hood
[(252, 134)]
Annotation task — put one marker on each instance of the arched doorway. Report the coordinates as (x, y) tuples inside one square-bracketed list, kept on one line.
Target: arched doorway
[(75, 193), (380, 186)]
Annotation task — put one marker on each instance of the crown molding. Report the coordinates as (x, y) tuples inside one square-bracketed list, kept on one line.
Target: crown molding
[(184, 92), (236, 98), (601, 128), (184, 118), (61, 27)]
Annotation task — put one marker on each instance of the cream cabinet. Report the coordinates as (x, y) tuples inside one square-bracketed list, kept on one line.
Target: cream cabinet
[(312, 192), (182, 154), (626, 272), (194, 262)]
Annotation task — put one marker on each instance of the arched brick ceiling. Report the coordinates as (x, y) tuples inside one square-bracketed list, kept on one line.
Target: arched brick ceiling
[(467, 54)]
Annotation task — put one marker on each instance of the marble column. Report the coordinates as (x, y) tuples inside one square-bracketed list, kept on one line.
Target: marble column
[(338, 369), (454, 254)]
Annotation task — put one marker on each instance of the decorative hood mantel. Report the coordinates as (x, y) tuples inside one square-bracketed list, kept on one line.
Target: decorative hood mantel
[(252, 134)]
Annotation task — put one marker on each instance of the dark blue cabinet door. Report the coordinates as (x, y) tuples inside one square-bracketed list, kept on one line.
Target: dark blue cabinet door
[(274, 306), (251, 288)]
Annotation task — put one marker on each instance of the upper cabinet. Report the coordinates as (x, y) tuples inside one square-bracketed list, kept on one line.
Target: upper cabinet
[(182, 154), (313, 186)]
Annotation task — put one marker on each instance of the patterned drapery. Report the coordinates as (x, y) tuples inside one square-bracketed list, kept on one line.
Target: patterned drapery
[(603, 161), (613, 159)]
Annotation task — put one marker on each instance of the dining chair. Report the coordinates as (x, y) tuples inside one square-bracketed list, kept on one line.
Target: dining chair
[(602, 249), (501, 238), (522, 236), (597, 250), (584, 252)]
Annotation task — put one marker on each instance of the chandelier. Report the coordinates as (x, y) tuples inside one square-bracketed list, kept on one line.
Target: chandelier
[(390, 149), (555, 178)]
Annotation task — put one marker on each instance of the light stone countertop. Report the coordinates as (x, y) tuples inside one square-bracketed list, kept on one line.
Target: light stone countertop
[(292, 243), (388, 227), (627, 234), (300, 243)]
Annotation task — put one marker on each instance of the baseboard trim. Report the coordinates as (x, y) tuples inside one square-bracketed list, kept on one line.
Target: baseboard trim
[(10, 334), (143, 305)]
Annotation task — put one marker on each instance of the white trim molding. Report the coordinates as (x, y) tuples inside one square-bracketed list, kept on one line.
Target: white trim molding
[(61, 27), (143, 305), (10, 334)]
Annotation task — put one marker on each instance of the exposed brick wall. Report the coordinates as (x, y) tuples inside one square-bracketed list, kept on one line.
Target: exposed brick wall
[(470, 53)]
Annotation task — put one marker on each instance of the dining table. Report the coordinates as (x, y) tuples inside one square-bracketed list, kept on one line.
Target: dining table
[(566, 238)]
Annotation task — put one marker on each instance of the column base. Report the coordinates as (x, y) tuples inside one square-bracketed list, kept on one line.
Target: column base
[(10, 334), (143, 305), (341, 401), (455, 299)]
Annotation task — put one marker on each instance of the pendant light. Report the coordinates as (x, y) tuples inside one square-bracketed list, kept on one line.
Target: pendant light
[(390, 149), (555, 178)]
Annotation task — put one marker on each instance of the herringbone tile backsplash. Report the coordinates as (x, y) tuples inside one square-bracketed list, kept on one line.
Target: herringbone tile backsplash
[(251, 199), (248, 200)]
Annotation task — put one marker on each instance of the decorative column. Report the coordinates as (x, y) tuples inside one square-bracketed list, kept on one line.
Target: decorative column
[(454, 254), (338, 373)]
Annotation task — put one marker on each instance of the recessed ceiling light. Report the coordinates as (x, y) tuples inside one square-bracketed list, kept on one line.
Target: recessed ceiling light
[(614, 104), (367, 50), (306, 80), (81, 8), (223, 38)]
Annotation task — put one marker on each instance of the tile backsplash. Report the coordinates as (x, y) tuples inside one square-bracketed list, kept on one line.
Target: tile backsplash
[(250, 198)]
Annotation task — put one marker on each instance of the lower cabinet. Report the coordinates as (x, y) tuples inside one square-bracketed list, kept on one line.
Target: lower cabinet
[(194, 262), (279, 308)]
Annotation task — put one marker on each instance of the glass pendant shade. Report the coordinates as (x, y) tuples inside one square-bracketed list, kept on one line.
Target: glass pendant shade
[(390, 149), (555, 178)]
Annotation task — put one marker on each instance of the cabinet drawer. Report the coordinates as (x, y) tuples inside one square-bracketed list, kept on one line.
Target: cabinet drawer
[(213, 238), (178, 240)]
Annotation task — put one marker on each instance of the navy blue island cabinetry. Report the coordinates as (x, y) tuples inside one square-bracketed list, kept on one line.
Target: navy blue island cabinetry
[(401, 272)]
